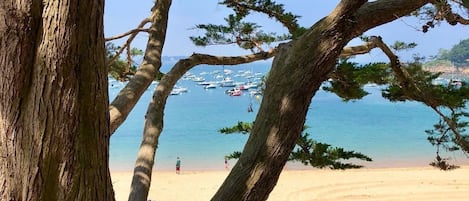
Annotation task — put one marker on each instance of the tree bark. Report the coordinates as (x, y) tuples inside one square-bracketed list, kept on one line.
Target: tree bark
[(54, 120), (297, 72), (147, 71)]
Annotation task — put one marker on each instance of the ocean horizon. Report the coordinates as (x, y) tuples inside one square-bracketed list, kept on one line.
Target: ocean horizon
[(390, 133)]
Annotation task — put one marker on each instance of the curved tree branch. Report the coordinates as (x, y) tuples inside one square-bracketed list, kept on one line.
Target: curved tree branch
[(380, 12), (133, 31), (133, 34), (121, 106)]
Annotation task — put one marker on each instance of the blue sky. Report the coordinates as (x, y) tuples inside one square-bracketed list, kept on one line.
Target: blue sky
[(121, 16)]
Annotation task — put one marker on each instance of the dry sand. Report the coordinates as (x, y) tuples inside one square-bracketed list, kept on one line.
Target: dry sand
[(409, 184)]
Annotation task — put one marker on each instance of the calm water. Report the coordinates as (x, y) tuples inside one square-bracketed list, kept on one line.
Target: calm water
[(391, 133)]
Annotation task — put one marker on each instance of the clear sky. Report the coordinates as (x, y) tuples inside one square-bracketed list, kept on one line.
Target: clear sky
[(123, 15)]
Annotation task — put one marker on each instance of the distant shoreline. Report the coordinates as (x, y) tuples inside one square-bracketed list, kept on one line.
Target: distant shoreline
[(450, 72)]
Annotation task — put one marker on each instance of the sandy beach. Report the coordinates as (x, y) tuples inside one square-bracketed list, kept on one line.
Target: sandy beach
[(416, 183)]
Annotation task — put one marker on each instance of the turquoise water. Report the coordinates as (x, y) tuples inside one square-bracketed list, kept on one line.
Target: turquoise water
[(391, 133)]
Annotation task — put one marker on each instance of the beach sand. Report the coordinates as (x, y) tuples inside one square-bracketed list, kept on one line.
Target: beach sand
[(417, 183)]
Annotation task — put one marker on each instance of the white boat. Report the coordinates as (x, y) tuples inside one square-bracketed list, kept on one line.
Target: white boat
[(456, 82), (178, 90), (206, 83), (175, 92), (198, 79), (255, 92), (210, 86), (227, 82)]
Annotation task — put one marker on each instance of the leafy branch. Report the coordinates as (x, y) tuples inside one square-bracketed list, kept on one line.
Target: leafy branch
[(308, 151), (408, 82), (245, 35), (271, 9)]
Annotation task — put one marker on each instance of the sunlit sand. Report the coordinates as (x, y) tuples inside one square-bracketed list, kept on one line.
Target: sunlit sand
[(417, 183)]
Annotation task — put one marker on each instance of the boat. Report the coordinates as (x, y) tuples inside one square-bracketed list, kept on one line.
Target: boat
[(198, 79), (227, 82), (249, 85), (174, 92), (234, 92), (205, 83), (255, 92), (178, 90), (456, 82), (210, 86)]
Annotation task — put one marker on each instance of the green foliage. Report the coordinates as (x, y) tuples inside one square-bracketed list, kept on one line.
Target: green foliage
[(450, 96), (442, 136), (448, 100), (436, 12), (120, 69), (399, 45), (241, 127), (245, 35), (321, 155), (271, 9), (401, 82), (308, 152), (415, 84), (349, 79), (234, 155), (458, 55)]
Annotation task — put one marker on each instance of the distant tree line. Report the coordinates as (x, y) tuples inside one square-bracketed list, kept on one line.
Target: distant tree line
[(458, 55)]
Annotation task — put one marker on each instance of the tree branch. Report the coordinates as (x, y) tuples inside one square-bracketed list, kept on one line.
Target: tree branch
[(129, 40), (445, 11), (356, 50), (375, 13), (272, 10), (133, 31), (412, 90), (128, 97)]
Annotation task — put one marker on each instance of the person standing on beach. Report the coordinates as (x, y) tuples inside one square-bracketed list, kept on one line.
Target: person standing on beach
[(178, 165), (226, 164)]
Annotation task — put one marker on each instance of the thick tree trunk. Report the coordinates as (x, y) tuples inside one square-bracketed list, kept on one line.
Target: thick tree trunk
[(54, 120), (297, 72)]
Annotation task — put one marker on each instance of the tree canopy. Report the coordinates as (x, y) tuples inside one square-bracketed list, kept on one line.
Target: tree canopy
[(458, 54), (54, 61)]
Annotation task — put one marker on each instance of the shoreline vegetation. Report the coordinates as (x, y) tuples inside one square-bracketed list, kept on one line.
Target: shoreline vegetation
[(410, 183)]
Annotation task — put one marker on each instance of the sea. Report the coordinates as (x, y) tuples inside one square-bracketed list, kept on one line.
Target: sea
[(391, 133)]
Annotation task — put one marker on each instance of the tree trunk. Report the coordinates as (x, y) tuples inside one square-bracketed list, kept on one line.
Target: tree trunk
[(297, 72), (54, 120), (147, 71)]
